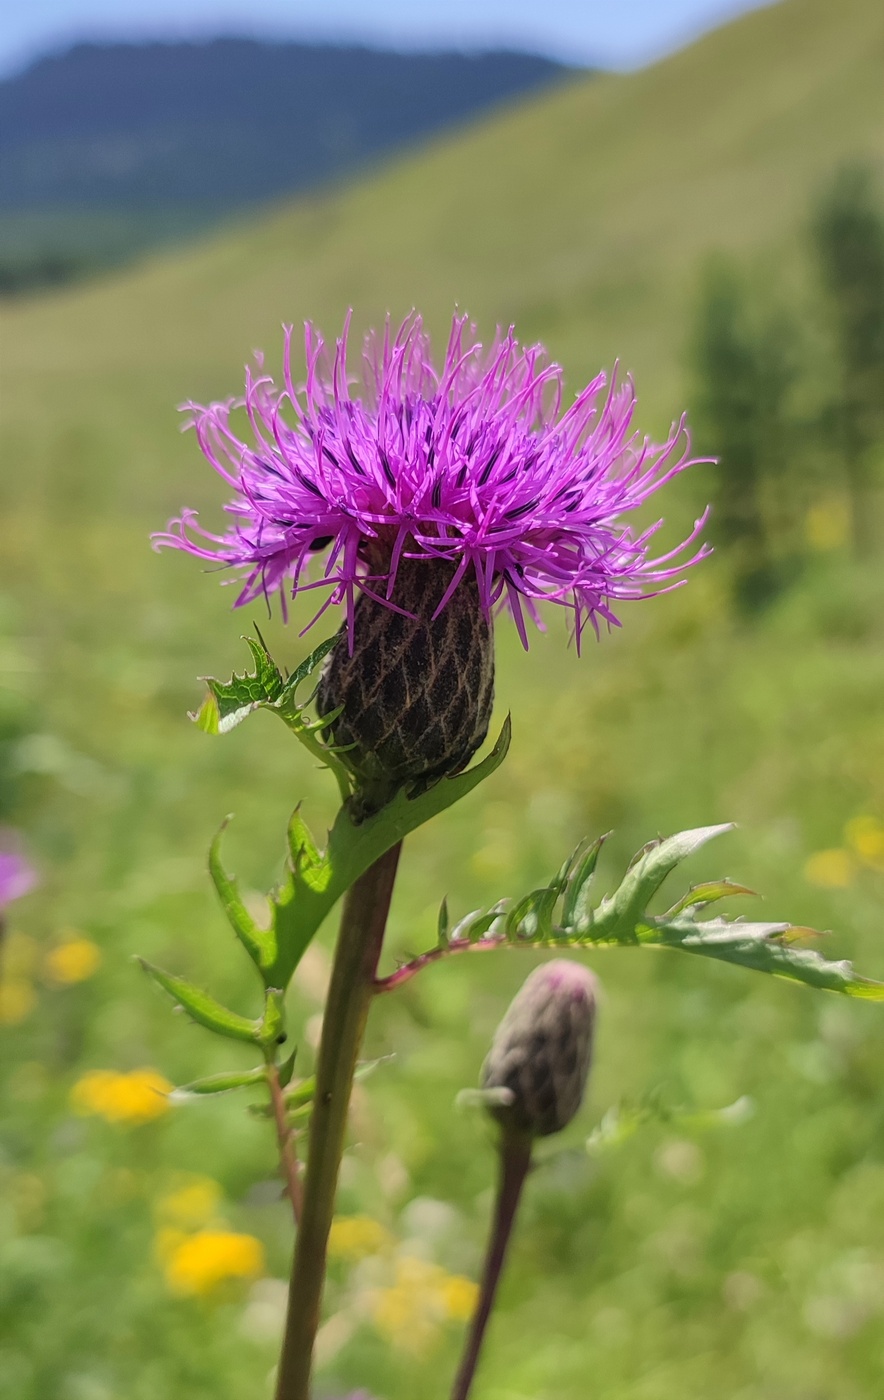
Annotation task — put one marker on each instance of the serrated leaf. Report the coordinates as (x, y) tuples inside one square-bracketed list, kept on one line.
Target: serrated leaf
[(763, 947), (480, 927), (259, 943), (309, 665), (619, 914), (622, 918), (575, 906), (708, 893), (202, 1008), (307, 860), (228, 703), (221, 1083), (530, 920)]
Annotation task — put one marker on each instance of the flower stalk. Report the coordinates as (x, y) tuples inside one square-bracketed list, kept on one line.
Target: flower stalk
[(515, 1164), (350, 994), (534, 1078)]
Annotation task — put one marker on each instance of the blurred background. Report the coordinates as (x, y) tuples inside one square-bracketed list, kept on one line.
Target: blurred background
[(695, 189)]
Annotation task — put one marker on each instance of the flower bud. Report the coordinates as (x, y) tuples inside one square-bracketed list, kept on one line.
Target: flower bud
[(416, 688), (540, 1056)]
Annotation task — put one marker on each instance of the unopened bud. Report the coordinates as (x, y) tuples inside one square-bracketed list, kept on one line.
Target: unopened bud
[(541, 1052)]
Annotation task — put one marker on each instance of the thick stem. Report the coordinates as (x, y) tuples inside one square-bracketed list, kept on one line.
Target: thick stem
[(288, 1157), (515, 1163), (349, 997)]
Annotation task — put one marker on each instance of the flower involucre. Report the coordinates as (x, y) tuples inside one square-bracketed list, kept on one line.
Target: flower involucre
[(476, 464)]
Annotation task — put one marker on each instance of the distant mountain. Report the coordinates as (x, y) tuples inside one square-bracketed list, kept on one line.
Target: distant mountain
[(126, 142)]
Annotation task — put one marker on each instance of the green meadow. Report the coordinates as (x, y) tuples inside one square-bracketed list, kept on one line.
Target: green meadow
[(700, 1255)]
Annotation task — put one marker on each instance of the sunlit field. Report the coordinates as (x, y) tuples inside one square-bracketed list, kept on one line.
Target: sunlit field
[(144, 1247)]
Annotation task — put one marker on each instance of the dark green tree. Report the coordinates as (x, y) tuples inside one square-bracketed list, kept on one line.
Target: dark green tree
[(744, 366), (848, 239)]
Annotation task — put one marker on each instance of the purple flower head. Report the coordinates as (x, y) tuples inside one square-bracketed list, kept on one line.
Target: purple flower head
[(477, 464), (17, 876)]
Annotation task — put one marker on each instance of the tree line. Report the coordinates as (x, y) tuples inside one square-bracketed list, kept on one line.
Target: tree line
[(789, 394)]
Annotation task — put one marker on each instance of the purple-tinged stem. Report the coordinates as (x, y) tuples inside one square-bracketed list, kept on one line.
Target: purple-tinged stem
[(288, 1157), (410, 969), (350, 993), (515, 1163)]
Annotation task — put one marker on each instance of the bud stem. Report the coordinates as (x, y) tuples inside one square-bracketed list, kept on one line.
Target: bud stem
[(350, 993), (515, 1163)]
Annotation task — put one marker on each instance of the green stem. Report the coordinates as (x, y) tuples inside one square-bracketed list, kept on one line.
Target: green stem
[(349, 996), (515, 1163)]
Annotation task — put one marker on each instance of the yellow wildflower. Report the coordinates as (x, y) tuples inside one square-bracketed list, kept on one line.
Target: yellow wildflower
[(831, 870), (410, 1313), (458, 1296), (827, 525), (131, 1098), (865, 835), (192, 1204), (17, 998), (356, 1237), (73, 961), (199, 1264)]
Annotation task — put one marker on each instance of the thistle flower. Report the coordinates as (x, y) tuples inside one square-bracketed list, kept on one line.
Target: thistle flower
[(437, 498), (540, 1056), (475, 465)]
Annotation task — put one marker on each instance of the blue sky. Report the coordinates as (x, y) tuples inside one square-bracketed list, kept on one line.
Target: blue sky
[(616, 33)]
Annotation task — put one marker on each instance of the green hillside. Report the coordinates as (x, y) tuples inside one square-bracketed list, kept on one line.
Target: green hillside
[(745, 1261)]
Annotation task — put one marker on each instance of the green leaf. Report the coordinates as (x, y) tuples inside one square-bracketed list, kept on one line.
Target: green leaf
[(301, 1095), (259, 943), (221, 1083), (316, 880), (306, 859), (625, 1119), (287, 1069), (309, 665), (228, 703), (531, 919), (575, 907), (763, 947), (622, 919), (442, 925), (202, 1008), (699, 895), (618, 915)]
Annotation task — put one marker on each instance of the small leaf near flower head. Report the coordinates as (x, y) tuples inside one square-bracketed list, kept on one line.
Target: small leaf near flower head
[(219, 1084), (202, 1008), (258, 943), (229, 702)]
